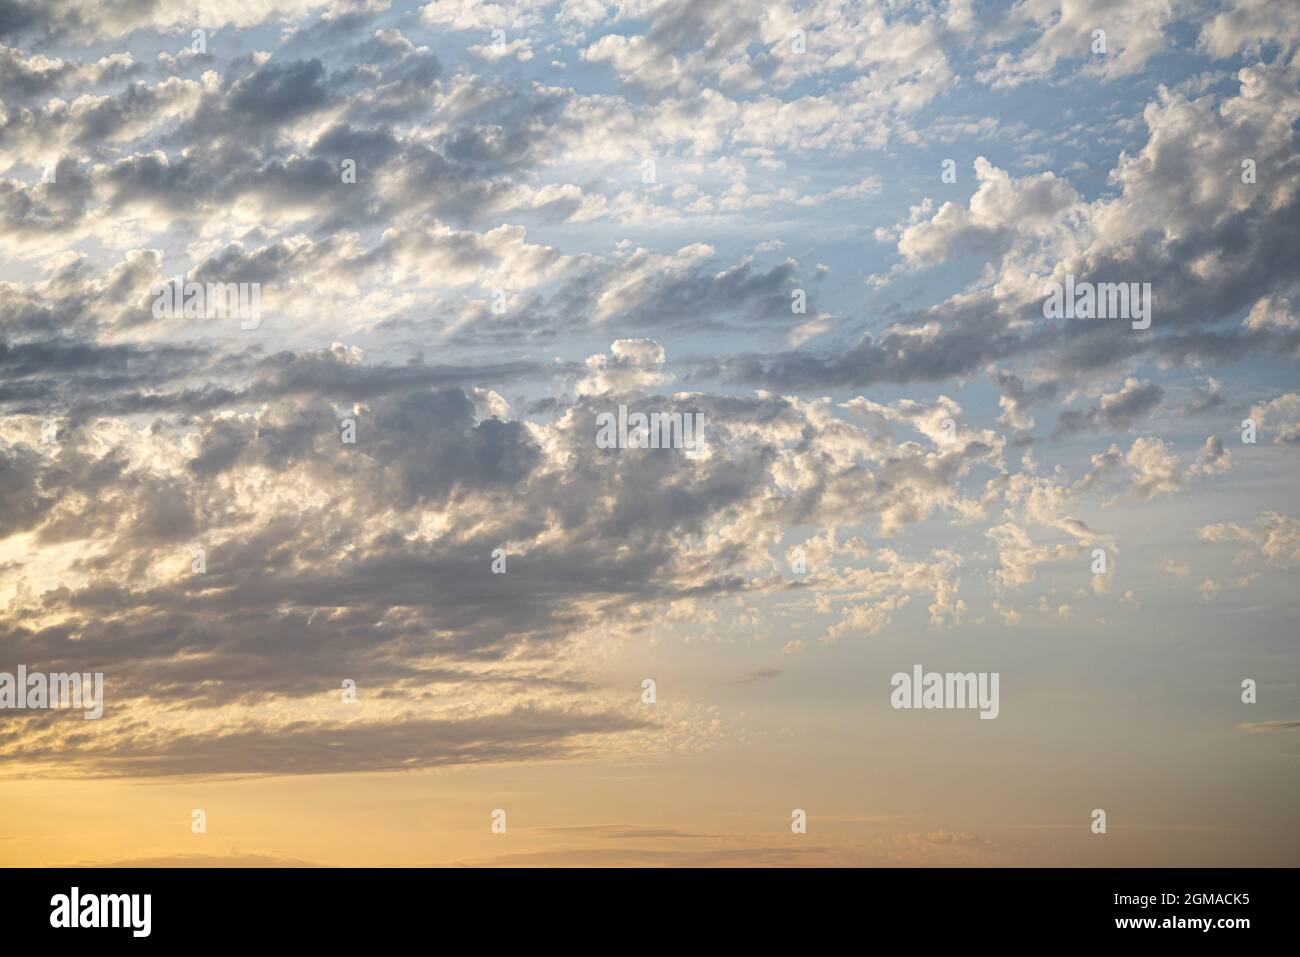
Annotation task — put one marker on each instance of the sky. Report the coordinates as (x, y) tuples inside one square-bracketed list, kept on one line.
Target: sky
[(364, 582)]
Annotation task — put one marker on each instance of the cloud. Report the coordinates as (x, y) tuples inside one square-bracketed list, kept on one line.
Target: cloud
[(1276, 536), (87, 20), (499, 272), (1212, 255), (1000, 209), (317, 748), (631, 366), (24, 77), (1116, 410), (1132, 34), (1244, 23), (1266, 415), (1256, 727)]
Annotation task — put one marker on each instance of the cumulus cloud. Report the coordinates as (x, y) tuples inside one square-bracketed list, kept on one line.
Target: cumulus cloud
[(1275, 536), (631, 366), (1115, 410), (1280, 416), (464, 260)]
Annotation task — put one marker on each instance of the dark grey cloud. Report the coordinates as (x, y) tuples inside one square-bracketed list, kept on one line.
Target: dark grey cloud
[(705, 297), (1116, 411), (761, 674), (27, 78), (19, 17), (22, 501), (370, 561), (321, 748)]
